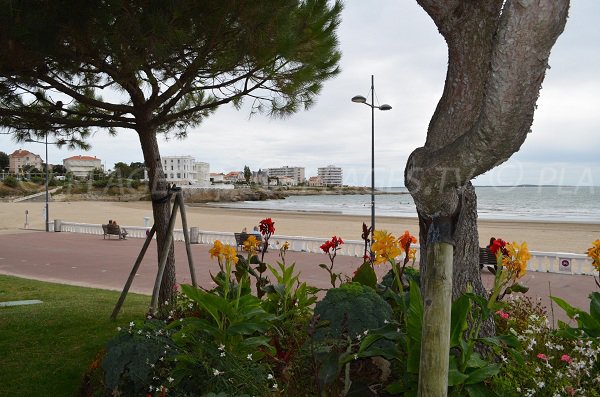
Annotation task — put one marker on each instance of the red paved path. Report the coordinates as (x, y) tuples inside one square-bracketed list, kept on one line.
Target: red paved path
[(88, 260)]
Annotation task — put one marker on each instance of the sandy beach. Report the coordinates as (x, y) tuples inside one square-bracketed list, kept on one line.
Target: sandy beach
[(540, 236)]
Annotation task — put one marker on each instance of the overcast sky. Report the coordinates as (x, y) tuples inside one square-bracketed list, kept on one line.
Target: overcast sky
[(396, 41)]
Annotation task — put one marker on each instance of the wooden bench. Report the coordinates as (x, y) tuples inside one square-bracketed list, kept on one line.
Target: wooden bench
[(240, 238), (487, 259), (113, 230)]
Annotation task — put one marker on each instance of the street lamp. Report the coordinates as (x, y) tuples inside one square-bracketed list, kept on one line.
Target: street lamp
[(362, 99), (45, 143)]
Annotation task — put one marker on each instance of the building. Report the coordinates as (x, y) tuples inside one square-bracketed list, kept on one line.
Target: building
[(330, 175), (20, 158), (82, 166), (185, 170), (217, 177), (234, 177), (315, 181), (295, 173), (260, 177)]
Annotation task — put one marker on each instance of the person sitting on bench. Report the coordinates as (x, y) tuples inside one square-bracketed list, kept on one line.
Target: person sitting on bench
[(123, 231)]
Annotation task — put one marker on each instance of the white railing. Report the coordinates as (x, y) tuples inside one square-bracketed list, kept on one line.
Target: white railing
[(551, 262)]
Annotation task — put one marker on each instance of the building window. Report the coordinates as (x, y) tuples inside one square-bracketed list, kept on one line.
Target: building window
[(178, 175)]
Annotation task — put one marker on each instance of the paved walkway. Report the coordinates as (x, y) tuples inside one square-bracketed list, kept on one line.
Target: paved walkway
[(89, 260)]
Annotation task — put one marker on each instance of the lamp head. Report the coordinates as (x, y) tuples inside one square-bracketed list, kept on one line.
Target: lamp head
[(385, 106), (359, 99)]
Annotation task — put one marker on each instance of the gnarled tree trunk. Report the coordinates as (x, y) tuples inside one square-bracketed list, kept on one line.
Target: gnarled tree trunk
[(497, 57)]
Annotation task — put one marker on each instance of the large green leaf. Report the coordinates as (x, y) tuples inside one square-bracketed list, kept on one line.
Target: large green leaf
[(479, 390), (595, 305), (455, 377), (365, 275), (414, 321), (481, 374), (329, 369), (458, 324)]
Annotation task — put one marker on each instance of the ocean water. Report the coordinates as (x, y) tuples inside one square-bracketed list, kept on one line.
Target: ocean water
[(548, 203)]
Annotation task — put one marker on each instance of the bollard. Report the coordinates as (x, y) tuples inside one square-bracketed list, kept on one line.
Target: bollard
[(194, 235), (57, 225), (146, 221)]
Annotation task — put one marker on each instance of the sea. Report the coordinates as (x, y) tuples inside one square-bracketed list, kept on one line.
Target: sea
[(532, 203)]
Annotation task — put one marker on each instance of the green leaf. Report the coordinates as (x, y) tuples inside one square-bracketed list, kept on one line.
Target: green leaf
[(520, 288), (475, 361), (481, 374), (324, 266), (570, 310), (455, 377), (458, 323), (480, 390), (329, 369), (595, 305), (365, 275)]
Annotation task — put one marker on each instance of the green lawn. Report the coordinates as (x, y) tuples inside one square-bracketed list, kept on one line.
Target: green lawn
[(46, 348)]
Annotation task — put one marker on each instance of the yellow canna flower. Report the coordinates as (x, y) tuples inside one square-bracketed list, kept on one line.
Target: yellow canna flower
[(230, 254), (594, 253), (385, 246), (221, 252), (412, 254), (516, 260), (251, 244), (215, 251)]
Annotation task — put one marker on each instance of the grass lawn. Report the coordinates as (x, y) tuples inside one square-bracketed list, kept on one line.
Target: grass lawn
[(46, 348)]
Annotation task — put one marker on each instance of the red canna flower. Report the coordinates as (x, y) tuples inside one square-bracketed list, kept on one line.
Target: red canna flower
[(267, 227)]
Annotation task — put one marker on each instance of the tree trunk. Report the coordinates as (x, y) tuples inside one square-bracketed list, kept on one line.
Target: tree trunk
[(161, 208), (466, 244)]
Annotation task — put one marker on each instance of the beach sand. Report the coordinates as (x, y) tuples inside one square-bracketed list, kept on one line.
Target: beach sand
[(540, 235)]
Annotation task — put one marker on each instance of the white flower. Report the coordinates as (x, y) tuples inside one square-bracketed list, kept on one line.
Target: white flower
[(356, 356), (191, 305), (222, 354), (118, 329), (386, 322), (269, 377), (541, 384), (366, 332), (216, 372), (221, 347), (274, 386), (170, 379), (249, 356), (132, 324)]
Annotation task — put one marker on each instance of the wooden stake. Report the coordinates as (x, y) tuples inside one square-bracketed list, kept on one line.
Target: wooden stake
[(435, 334)]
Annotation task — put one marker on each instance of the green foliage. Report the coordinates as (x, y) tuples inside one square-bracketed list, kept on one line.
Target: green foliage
[(11, 181), (136, 355), (288, 298), (351, 309), (548, 362), (4, 161), (365, 275), (588, 324)]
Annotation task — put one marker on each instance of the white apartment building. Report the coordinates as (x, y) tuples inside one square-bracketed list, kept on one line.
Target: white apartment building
[(295, 173), (82, 166), (20, 158), (185, 170), (330, 175)]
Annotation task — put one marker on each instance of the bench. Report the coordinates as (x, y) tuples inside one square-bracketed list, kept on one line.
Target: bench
[(113, 230), (240, 239), (487, 259)]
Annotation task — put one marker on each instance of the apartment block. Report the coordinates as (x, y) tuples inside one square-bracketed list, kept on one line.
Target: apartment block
[(82, 166), (294, 173), (330, 175), (185, 170)]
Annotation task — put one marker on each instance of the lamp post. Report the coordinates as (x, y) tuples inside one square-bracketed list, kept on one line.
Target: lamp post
[(47, 221), (362, 99)]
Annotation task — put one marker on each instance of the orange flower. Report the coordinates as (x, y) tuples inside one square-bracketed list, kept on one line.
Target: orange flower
[(594, 253), (516, 260), (223, 252), (385, 246), (251, 244), (406, 239)]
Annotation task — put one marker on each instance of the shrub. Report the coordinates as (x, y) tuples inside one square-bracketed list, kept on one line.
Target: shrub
[(351, 309), (11, 181)]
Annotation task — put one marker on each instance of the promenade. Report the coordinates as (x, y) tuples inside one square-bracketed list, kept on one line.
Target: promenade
[(91, 261)]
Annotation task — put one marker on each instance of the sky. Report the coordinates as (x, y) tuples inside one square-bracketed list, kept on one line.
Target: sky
[(396, 41)]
